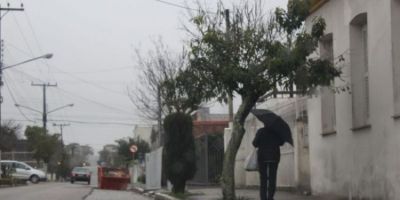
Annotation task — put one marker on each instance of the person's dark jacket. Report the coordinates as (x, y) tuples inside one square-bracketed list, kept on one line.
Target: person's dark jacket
[(268, 143)]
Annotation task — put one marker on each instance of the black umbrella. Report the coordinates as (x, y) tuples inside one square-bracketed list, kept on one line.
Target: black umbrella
[(275, 123)]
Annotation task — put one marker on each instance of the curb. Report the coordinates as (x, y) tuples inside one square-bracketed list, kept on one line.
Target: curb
[(161, 196), (138, 190)]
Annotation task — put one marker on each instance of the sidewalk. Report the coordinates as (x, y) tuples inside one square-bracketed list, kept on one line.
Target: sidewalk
[(214, 193), (97, 194)]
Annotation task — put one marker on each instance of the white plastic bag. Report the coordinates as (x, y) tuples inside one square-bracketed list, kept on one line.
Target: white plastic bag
[(251, 164)]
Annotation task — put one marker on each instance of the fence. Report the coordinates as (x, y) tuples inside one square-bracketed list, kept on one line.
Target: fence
[(210, 156), (26, 157)]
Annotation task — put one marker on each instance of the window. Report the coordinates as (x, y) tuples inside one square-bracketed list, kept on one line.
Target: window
[(396, 55), (20, 166), (328, 107), (359, 71)]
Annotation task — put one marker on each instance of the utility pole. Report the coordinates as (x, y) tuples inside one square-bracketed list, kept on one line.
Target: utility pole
[(61, 131), (159, 118), (44, 113), (228, 37), (6, 10)]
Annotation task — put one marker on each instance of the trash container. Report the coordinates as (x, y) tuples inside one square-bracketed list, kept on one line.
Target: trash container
[(113, 178)]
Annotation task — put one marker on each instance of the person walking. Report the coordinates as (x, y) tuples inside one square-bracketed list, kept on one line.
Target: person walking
[(268, 156)]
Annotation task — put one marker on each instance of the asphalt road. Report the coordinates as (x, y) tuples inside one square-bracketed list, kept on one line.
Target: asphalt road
[(46, 191), (66, 191)]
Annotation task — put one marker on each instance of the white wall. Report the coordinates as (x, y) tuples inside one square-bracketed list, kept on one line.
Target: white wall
[(363, 163)]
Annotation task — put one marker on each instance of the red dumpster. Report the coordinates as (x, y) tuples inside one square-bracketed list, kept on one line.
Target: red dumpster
[(113, 178)]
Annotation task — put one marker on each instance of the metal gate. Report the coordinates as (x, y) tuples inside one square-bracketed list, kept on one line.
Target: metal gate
[(210, 156)]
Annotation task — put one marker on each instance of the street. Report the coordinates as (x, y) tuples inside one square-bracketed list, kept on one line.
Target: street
[(59, 191), (64, 191)]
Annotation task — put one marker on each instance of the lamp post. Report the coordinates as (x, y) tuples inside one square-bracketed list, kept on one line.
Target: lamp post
[(45, 56), (44, 114)]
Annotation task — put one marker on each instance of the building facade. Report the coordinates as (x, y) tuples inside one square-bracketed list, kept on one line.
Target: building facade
[(354, 135)]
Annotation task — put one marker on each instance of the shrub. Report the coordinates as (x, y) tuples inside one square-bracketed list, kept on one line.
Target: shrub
[(179, 150)]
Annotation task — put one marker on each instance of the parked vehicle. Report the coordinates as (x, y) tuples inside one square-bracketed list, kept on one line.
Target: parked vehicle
[(80, 174), (23, 171)]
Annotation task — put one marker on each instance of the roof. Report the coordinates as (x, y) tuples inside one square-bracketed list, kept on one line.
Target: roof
[(201, 128)]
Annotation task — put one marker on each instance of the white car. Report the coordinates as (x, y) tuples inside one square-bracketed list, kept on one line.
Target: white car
[(23, 171)]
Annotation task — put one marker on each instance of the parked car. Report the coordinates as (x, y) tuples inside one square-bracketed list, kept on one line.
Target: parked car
[(23, 171), (80, 174)]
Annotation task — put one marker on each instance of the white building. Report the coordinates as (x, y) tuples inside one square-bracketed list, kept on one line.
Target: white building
[(348, 145), (354, 136)]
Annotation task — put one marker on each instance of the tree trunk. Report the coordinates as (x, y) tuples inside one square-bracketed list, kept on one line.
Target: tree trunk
[(238, 131)]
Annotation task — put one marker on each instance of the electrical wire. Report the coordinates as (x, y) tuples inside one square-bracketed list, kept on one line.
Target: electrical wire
[(25, 40), (4, 15), (95, 102), (181, 6), (95, 122), (39, 46), (90, 83), (15, 102), (80, 97)]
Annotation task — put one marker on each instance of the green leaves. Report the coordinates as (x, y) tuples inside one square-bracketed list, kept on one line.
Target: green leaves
[(123, 146), (8, 136), (42, 144), (179, 159)]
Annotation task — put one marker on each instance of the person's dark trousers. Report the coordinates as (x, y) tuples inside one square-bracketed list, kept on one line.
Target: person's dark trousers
[(268, 172)]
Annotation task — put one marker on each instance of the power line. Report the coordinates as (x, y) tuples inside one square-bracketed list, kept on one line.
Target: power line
[(95, 102), (78, 72), (95, 122), (25, 40), (58, 99), (90, 83), (15, 102), (78, 96), (181, 6)]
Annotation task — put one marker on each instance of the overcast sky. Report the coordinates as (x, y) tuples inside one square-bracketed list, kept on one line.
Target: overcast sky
[(93, 43)]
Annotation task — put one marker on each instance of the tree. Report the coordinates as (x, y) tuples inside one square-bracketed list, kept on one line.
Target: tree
[(166, 84), (158, 65), (42, 144), (8, 136), (249, 55), (109, 156), (78, 154), (123, 146), (179, 150)]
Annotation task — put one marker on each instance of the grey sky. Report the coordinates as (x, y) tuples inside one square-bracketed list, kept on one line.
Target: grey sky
[(93, 43)]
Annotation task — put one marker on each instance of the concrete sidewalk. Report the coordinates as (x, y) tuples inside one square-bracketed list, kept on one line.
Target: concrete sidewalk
[(97, 194), (207, 193)]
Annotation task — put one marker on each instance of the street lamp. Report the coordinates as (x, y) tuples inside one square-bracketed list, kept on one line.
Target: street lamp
[(44, 113), (45, 56)]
